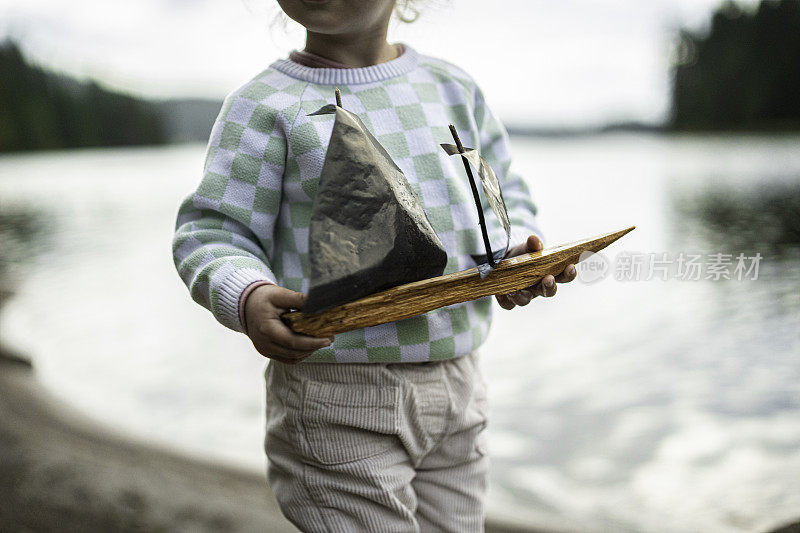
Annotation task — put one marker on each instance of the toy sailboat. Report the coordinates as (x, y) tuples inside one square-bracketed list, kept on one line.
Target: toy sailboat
[(374, 256)]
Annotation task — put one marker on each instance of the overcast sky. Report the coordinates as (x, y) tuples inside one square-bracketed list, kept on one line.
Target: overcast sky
[(540, 62)]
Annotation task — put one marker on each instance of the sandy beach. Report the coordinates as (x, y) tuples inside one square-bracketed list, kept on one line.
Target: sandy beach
[(63, 472)]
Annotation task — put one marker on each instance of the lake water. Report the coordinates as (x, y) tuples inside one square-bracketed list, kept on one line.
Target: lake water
[(651, 405)]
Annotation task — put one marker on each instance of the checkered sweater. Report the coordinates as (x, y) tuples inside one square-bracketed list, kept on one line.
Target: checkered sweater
[(248, 219)]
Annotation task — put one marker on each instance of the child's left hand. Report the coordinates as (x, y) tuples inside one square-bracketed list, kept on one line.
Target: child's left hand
[(546, 287)]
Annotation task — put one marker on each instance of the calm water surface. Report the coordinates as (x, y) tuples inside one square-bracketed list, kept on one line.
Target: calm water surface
[(618, 405)]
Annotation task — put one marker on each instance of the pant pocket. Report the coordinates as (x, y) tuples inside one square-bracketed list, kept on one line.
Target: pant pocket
[(343, 423)]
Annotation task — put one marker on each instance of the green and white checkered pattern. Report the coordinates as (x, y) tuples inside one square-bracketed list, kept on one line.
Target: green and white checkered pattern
[(248, 219)]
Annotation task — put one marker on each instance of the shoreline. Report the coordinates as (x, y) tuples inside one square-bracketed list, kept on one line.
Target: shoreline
[(62, 471)]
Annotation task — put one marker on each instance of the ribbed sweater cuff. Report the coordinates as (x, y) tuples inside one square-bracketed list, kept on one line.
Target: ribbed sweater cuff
[(230, 293)]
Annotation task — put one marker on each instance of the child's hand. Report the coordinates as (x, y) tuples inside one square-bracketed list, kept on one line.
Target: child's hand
[(546, 287), (271, 337)]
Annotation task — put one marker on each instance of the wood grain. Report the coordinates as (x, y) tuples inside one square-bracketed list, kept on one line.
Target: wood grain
[(419, 297)]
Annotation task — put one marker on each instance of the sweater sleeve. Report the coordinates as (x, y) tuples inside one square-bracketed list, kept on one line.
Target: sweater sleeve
[(494, 148), (224, 229)]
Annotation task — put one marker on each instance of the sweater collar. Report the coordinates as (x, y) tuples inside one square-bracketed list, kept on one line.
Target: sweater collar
[(403, 64), (313, 60)]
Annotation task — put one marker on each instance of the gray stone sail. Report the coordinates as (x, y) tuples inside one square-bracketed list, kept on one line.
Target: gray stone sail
[(368, 229)]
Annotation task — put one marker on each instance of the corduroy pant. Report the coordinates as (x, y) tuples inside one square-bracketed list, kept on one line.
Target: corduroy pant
[(378, 447)]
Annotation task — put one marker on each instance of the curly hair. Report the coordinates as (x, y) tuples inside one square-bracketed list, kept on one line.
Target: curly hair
[(406, 10)]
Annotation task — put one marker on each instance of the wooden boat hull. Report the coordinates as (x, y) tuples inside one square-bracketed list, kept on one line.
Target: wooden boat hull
[(419, 297)]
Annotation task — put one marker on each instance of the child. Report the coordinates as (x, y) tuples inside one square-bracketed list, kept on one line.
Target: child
[(379, 429)]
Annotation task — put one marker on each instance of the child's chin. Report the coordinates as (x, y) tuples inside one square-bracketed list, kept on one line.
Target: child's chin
[(321, 16)]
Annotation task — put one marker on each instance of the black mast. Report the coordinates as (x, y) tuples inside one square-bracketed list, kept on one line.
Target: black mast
[(481, 220)]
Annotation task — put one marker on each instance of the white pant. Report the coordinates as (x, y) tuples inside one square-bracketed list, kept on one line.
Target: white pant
[(378, 447)]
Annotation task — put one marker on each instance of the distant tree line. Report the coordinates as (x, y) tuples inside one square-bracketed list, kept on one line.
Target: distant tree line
[(744, 74), (42, 110)]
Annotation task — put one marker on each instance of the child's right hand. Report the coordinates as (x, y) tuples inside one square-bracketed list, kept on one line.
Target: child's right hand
[(271, 337)]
